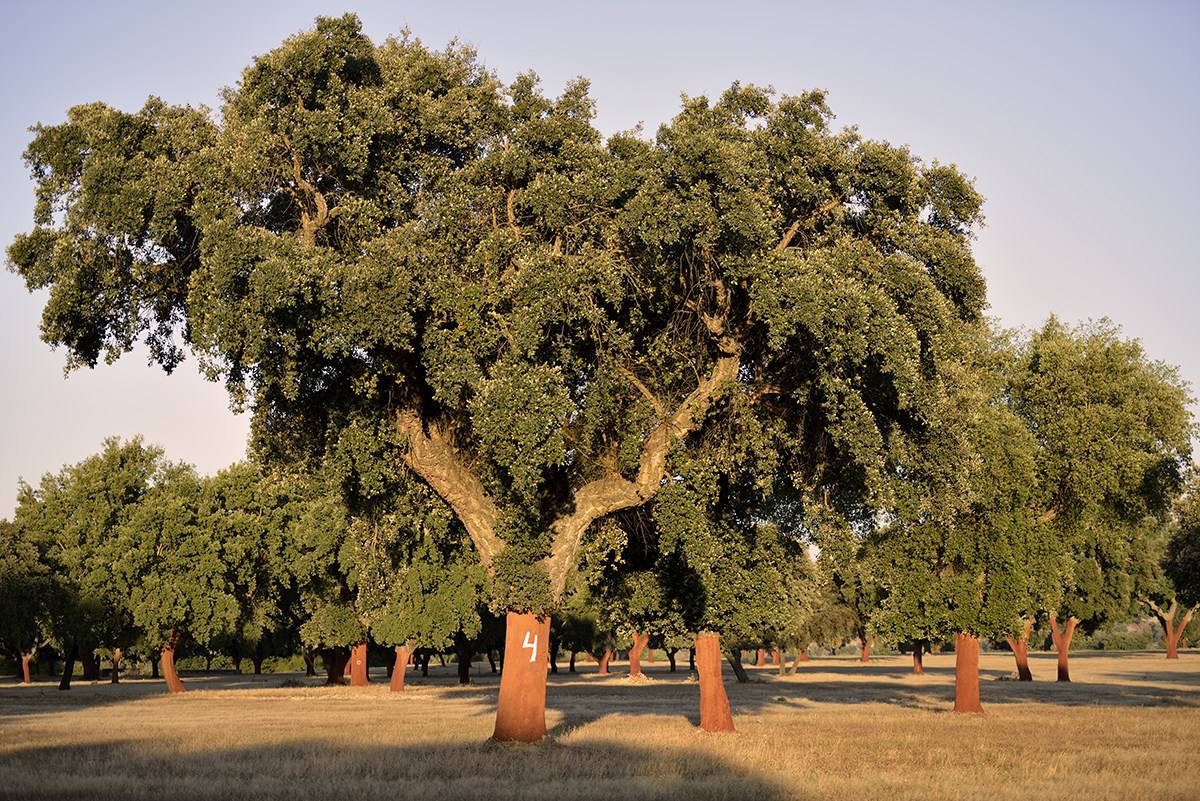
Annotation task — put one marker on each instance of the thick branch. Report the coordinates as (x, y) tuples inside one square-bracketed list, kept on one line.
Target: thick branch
[(435, 459), (795, 227)]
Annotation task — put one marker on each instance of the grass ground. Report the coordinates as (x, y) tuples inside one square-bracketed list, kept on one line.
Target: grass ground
[(1126, 728)]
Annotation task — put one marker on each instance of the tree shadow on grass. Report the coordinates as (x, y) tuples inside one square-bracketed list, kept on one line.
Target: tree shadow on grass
[(315, 768)]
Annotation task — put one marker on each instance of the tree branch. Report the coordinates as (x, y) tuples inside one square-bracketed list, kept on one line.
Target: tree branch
[(795, 227), (435, 459)]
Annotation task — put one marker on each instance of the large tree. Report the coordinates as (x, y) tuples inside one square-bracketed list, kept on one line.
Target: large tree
[(27, 598), (386, 233), (1112, 435)]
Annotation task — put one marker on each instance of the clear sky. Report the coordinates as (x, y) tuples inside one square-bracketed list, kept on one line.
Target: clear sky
[(1079, 121)]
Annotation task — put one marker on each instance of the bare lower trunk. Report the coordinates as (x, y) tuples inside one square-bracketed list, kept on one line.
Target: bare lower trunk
[(91, 664), (640, 641), (68, 666), (310, 669), (1173, 625), (692, 660), (464, 651), (359, 669), (571, 664), (735, 662), (919, 658), (715, 715), (521, 711), (603, 661), (116, 666), (25, 678), (1062, 644), (865, 654), (777, 659), (397, 683), (760, 657), (966, 673), (335, 665), (174, 684), (671, 658)]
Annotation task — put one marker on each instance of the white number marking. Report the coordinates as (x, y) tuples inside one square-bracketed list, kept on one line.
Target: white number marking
[(531, 645)]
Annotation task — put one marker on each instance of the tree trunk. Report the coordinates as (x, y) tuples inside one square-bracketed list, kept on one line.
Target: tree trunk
[(919, 658), (335, 665), (966, 673), (760, 657), (1020, 649), (1173, 625), (603, 662), (640, 641), (553, 651), (237, 664), (571, 665), (735, 662), (257, 661), (425, 657), (777, 659), (491, 660), (359, 669), (691, 660), (671, 658), (865, 655), (91, 664), (116, 666), (715, 715), (803, 656), (68, 666), (464, 650), (310, 669), (1062, 644), (397, 683), (174, 685), (25, 679), (521, 711)]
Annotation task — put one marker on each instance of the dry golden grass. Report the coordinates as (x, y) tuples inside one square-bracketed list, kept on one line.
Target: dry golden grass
[(1126, 729)]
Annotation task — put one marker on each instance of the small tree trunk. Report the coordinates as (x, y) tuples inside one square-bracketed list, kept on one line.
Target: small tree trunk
[(174, 684), (553, 650), (603, 662), (966, 673), (640, 641), (68, 666), (359, 669), (310, 669), (208, 663), (760, 657), (865, 655), (715, 715), (116, 666), (571, 664), (735, 662), (521, 711), (777, 659), (464, 650), (237, 664), (91, 665), (803, 656), (425, 657), (1062, 643), (691, 660), (671, 658), (257, 662), (25, 678), (1020, 649), (397, 683), (491, 659), (335, 666), (919, 658), (1173, 625)]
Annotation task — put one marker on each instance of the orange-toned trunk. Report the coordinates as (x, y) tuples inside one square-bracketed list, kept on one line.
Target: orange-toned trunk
[(640, 641), (715, 715), (865, 655), (966, 673), (603, 661), (521, 711), (25, 670), (1062, 644), (776, 658), (174, 684), (116, 666), (919, 658), (760, 658), (398, 669), (359, 675)]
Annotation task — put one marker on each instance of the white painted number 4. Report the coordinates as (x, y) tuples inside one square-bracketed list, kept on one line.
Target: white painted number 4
[(531, 645)]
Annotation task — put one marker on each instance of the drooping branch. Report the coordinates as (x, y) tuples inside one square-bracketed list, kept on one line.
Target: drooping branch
[(433, 457)]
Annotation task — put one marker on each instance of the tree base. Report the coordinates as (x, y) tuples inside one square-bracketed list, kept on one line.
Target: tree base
[(521, 711), (715, 714)]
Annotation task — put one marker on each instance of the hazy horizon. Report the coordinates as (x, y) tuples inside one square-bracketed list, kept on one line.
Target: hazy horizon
[(1077, 121)]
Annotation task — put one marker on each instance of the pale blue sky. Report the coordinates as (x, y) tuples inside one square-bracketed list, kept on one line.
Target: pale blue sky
[(1079, 121)]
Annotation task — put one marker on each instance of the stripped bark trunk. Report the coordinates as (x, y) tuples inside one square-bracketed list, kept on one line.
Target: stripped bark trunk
[(760, 658), (25, 678), (603, 662), (777, 659), (521, 711), (396, 685), (919, 658), (359, 669), (1173, 625), (715, 715), (116, 666), (867, 642), (966, 673), (1062, 644), (1020, 649), (174, 684), (640, 641)]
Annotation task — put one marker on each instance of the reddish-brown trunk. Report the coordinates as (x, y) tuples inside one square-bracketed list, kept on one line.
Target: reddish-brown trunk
[(867, 642), (91, 664), (803, 656), (640, 641), (1021, 655), (919, 658), (521, 711), (25, 679), (603, 661), (760, 658), (359, 676), (398, 669), (174, 684), (1172, 639), (116, 666), (966, 673), (715, 714), (777, 658), (1062, 643)]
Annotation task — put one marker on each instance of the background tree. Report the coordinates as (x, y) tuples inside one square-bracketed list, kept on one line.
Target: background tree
[(1113, 434), (1171, 590), (26, 598), (383, 232)]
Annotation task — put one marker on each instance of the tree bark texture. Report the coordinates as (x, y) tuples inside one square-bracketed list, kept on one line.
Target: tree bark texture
[(174, 684), (919, 658), (1020, 649), (1062, 644), (521, 711), (359, 670), (966, 673), (398, 669), (116, 666), (603, 662), (715, 714), (640, 641)]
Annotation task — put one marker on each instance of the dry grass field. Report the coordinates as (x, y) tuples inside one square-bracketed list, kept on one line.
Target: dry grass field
[(1127, 728)]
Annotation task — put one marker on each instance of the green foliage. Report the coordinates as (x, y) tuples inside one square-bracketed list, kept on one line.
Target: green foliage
[(27, 594)]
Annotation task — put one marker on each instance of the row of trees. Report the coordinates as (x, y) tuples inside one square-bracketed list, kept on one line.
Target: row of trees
[(518, 353)]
